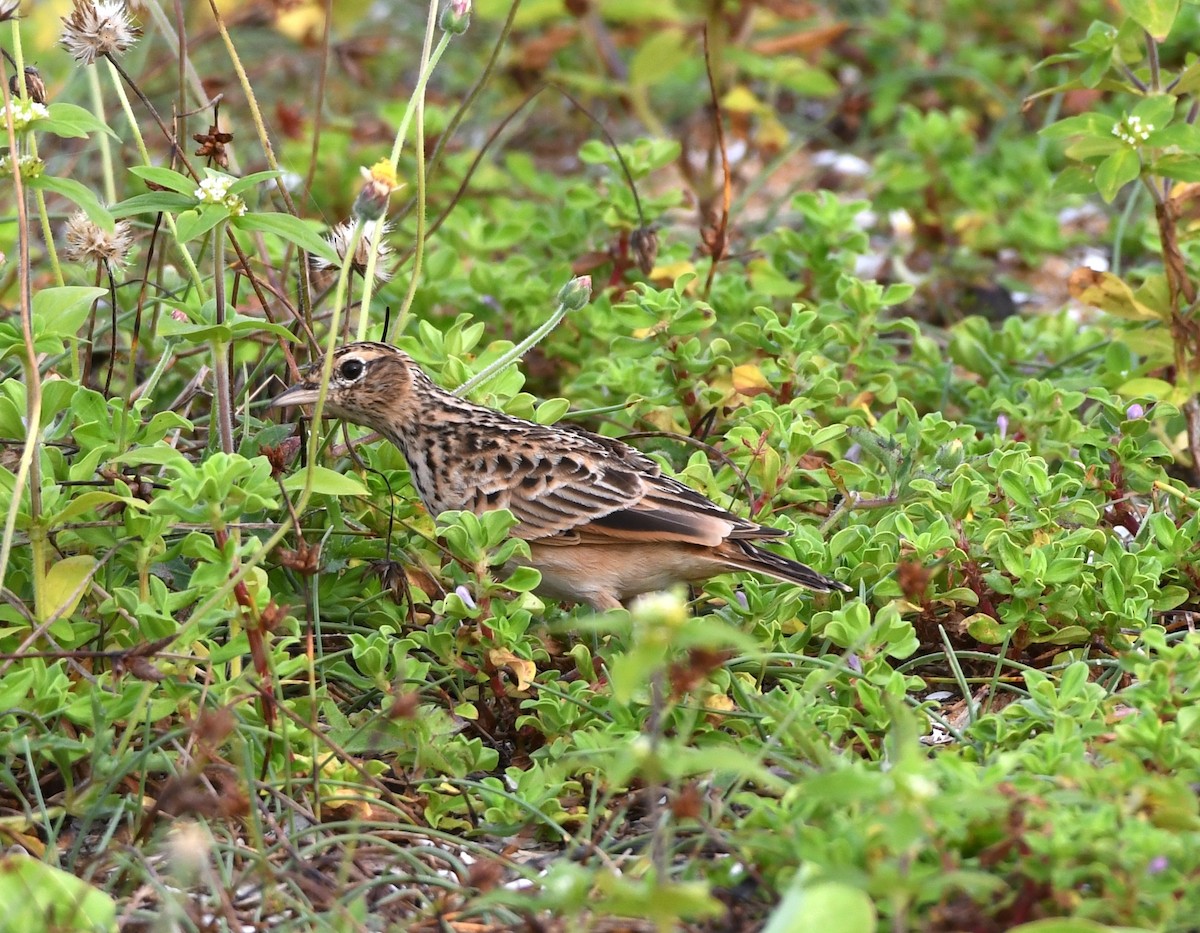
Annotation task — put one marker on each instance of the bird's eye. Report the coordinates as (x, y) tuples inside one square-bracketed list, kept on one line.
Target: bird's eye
[(351, 369)]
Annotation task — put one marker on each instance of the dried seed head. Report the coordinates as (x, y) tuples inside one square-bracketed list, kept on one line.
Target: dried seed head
[(96, 28), (644, 241), (35, 88), (372, 231), (90, 243)]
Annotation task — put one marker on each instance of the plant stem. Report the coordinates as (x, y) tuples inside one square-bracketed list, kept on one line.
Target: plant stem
[(488, 373), (28, 469), (222, 392)]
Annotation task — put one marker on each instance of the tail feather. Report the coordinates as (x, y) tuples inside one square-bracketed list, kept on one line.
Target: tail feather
[(745, 556)]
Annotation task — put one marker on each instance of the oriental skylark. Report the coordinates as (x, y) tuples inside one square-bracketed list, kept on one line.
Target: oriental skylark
[(602, 521)]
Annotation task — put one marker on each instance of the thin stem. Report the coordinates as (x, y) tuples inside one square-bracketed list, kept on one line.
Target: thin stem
[(1152, 60), (419, 247), (416, 103), (488, 373), (28, 466), (106, 160), (222, 391)]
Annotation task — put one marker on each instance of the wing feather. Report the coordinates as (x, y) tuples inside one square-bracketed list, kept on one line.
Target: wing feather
[(606, 494)]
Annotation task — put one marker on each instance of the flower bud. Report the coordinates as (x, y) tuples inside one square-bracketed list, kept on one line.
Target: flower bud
[(456, 17), (576, 293), (380, 181)]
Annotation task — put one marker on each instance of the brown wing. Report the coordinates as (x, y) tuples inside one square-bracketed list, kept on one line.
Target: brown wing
[(604, 495)]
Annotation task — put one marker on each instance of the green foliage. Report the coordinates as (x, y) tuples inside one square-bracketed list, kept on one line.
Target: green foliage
[(209, 619)]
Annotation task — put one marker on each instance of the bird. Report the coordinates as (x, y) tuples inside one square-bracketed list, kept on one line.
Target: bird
[(603, 522)]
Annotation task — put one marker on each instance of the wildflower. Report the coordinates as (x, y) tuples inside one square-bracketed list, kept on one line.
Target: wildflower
[(30, 166), (8, 10), (25, 111), (96, 28), (456, 17), (373, 232), (214, 189), (90, 243), (372, 200), (1131, 130), (465, 595)]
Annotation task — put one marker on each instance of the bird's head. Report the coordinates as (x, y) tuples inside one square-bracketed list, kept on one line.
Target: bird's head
[(370, 384)]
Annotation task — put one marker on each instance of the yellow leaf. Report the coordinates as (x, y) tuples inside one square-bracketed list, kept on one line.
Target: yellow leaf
[(670, 271), (65, 585), (748, 379), (525, 671), (741, 99), (1109, 293)]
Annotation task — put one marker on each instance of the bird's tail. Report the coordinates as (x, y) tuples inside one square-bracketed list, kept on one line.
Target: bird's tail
[(745, 556)]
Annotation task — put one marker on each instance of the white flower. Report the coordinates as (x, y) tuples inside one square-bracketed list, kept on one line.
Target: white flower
[(96, 28), (1131, 130), (215, 190), (25, 112)]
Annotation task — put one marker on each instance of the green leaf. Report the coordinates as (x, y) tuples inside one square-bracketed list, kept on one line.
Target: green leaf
[(37, 896), (73, 121), (197, 222), (1146, 387), (153, 203), (290, 228), (326, 482), (1179, 167), (165, 178), (61, 311), (1155, 16), (247, 182), (551, 410), (78, 193), (1115, 172), (825, 905), (657, 57)]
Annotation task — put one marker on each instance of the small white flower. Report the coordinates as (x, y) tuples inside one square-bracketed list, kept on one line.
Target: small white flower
[(96, 28), (30, 166), (25, 112), (1131, 130), (215, 190)]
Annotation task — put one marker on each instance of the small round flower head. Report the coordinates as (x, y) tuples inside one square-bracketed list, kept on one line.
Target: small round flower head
[(1131, 130), (214, 189), (96, 28), (29, 165), (90, 243), (373, 231), (24, 112)]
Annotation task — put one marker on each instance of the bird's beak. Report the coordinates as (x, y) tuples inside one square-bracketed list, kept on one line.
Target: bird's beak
[(302, 393)]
